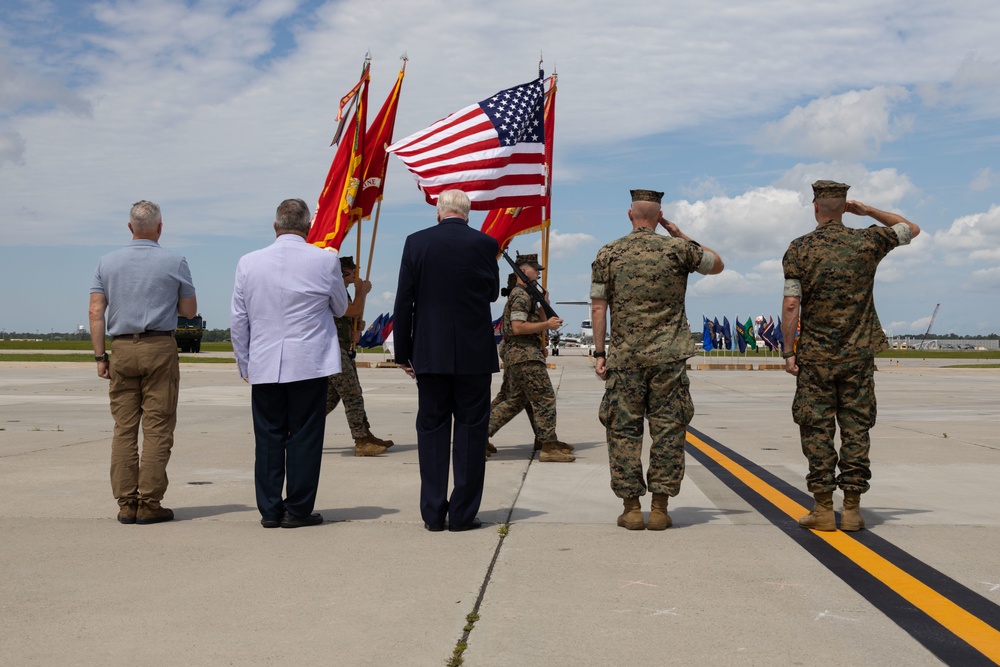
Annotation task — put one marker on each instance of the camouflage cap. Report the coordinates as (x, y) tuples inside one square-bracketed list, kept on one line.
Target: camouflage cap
[(647, 195), (829, 189), (530, 260), (347, 263)]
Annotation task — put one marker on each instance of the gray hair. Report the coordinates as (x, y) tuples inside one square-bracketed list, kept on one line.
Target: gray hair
[(144, 217), (455, 202), (292, 216)]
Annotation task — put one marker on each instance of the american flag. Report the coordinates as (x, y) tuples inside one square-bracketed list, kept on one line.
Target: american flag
[(493, 150)]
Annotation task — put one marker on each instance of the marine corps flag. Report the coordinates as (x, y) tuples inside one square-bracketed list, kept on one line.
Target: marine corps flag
[(377, 138), (336, 209), (503, 224)]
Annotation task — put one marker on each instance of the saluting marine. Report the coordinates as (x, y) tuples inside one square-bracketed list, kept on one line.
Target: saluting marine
[(345, 385), (642, 278), (829, 275), (525, 378)]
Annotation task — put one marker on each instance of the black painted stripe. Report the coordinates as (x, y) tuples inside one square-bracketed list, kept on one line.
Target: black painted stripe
[(930, 632)]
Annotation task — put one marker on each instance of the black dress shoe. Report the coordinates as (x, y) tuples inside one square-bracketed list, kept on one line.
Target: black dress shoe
[(475, 523), (270, 523), (434, 527), (292, 521)]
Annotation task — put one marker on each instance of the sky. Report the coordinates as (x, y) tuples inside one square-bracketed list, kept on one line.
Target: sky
[(219, 109)]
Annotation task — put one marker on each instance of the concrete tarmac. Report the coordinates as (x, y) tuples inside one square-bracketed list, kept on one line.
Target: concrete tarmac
[(565, 586)]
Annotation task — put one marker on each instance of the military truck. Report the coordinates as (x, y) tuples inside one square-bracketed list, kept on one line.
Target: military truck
[(189, 332)]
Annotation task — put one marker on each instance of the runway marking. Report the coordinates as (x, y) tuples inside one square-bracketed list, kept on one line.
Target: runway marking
[(956, 624)]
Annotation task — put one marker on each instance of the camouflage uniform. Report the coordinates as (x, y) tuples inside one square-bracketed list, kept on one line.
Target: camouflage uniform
[(643, 277), (832, 270), (525, 378), (345, 385)]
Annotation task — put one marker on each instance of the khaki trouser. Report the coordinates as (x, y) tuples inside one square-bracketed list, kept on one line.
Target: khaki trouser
[(145, 378)]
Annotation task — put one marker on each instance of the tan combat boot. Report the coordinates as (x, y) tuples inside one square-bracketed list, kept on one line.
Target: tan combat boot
[(368, 437), (552, 454), (368, 447), (851, 519), (564, 446), (631, 518), (821, 517), (658, 517)]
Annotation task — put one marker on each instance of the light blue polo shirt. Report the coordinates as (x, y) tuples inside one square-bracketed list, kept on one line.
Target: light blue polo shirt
[(142, 283)]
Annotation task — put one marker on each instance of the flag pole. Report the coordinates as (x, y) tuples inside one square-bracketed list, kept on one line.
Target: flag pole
[(378, 205)]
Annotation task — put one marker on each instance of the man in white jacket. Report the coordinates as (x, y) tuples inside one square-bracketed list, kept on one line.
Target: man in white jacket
[(284, 300)]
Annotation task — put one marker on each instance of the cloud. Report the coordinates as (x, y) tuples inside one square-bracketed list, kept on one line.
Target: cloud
[(882, 188), (984, 180), (984, 280), (971, 238), (758, 222), (563, 245), (11, 147), (704, 186), (765, 280), (975, 84), (848, 126)]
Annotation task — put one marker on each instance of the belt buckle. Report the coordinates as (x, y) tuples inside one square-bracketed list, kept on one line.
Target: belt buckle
[(136, 337)]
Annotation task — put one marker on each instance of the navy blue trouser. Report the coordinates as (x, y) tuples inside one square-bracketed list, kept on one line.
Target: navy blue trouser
[(466, 400), (289, 420)]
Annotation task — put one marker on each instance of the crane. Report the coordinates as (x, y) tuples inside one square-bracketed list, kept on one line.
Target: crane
[(931, 323), (923, 341)]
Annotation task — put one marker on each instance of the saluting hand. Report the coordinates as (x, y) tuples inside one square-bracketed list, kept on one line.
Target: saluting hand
[(856, 207), (671, 227)]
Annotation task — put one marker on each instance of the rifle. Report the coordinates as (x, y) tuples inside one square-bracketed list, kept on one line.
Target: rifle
[(534, 291)]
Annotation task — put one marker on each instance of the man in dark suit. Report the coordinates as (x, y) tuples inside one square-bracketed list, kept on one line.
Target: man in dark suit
[(444, 338)]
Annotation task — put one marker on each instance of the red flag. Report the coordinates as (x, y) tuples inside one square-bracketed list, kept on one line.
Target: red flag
[(503, 224), (550, 139), (336, 209), (377, 138), (493, 150)]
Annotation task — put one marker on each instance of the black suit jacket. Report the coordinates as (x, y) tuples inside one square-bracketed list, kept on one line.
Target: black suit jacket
[(448, 277)]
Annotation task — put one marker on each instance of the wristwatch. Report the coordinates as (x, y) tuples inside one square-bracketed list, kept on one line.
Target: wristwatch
[(103, 357), (600, 355), (786, 355)]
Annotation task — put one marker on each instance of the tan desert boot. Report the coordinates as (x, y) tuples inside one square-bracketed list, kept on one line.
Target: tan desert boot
[(821, 517), (658, 517), (564, 446), (631, 518), (552, 454), (364, 447), (851, 519), (368, 438)]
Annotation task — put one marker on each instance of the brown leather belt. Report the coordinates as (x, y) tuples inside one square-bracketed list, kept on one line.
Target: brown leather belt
[(144, 334)]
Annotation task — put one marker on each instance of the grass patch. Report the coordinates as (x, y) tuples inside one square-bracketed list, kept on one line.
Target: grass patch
[(89, 358), (85, 345)]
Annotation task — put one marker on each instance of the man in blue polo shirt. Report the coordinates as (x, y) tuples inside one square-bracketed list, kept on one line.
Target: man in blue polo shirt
[(142, 288)]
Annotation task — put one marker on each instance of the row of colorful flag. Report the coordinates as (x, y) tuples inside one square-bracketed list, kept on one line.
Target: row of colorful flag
[(377, 332), (741, 335)]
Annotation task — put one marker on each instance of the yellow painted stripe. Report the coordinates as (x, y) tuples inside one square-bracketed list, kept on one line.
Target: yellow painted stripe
[(973, 630)]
